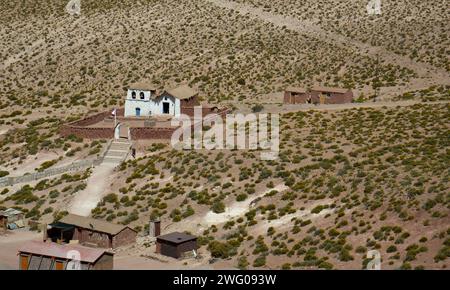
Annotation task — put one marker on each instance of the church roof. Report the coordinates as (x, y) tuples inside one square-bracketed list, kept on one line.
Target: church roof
[(144, 86), (182, 92)]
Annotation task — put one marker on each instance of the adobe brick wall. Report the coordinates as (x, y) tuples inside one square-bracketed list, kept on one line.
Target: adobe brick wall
[(125, 237), (78, 128), (87, 236), (151, 133), (190, 102), (91, 120), (189, 110), (335, 98), (295, 98), (287, 97), (105, 262), (87, 132)]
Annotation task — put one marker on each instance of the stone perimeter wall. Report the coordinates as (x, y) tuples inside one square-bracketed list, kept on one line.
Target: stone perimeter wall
[(79, 129)]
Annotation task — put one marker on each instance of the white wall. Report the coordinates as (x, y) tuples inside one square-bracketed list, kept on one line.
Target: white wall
[(150, 107)]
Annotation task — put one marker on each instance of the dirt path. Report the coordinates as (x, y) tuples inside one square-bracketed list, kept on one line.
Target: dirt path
[(237, 209), (198, 223), (282, 109), (286, 220), (9, 245), (428, 75), (97, 186)]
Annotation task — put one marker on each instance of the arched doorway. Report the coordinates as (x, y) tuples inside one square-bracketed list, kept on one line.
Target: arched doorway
[(122, 132), (138, 112)]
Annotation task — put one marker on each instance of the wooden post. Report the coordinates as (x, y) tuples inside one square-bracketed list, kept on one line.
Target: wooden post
[(154, 228), (44, 233)]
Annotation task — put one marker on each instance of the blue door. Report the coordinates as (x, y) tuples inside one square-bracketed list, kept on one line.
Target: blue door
[(138, 112)]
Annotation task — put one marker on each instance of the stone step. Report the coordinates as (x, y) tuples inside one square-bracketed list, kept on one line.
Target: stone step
[(120, 146), (112, 160), (121, 142), (113, 153), (114, 156)]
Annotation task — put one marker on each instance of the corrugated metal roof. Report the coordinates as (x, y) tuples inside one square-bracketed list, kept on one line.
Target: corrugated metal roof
[(182, 92), (177, 237), (93, 224), (11, 212), (49, 249)]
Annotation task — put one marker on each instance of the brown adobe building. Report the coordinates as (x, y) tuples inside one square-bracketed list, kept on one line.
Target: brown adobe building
[(317, 95), (3, 222), (91, 231), (293, 95), (327, 95)]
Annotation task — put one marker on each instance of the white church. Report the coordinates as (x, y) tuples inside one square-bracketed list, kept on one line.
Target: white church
[(143, 100)]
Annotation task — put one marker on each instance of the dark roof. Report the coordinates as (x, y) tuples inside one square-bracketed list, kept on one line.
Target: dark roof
[(93, 224), (177, 238), (49, 249), (62, 226)]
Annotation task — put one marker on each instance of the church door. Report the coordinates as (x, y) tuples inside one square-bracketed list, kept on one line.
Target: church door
[(166, 108)]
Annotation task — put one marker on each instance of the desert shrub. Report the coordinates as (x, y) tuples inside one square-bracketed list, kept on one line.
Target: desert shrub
[(241, 197), (221, 250), (53, 194), (243, 263), (257, 108), (24, 195), (259, 261), (111, 198), (218, 207)]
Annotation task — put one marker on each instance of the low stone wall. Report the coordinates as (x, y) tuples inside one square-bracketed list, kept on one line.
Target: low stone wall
[(73, 167), (91, 120), (76, 166), (87, 132), (80, 129), (151, 133), (205, 110)]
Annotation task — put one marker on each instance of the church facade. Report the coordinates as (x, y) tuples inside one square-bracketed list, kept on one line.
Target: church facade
[(144, 100)]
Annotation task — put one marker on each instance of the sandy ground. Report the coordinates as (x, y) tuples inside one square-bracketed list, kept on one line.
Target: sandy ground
[(97, 185), (286, 221), (10, 243), (282, 108), (30, 163), (199, 222), (236, 209), (428, 75), (148, 260)]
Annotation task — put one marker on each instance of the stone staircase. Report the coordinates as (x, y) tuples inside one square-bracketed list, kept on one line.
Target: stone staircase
[(117, 152)]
